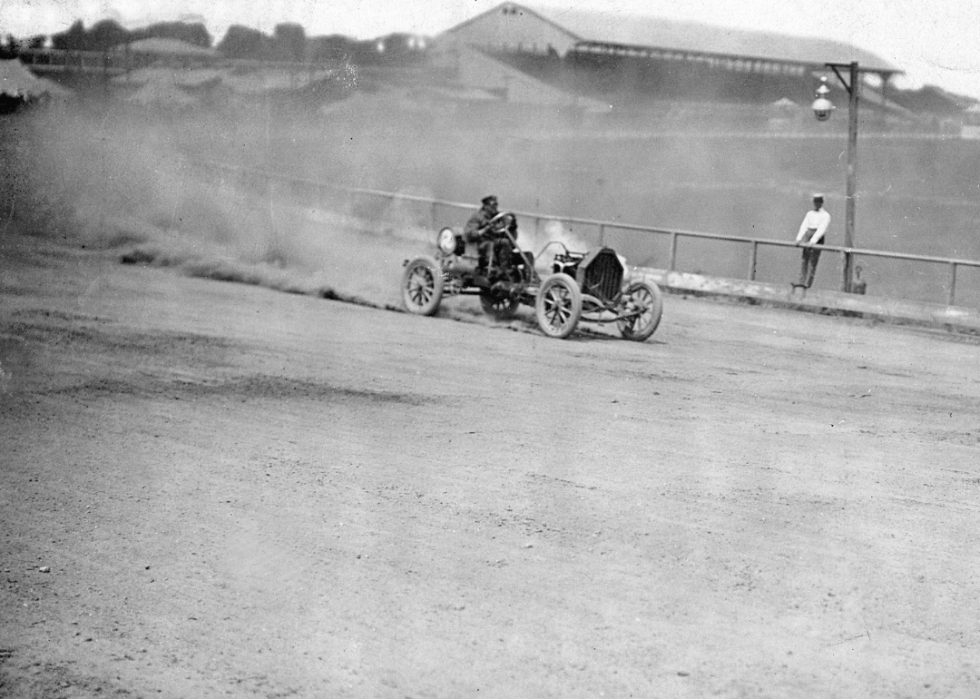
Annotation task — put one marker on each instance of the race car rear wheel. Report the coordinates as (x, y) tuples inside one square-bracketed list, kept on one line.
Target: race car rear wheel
[(558, 306), (644, 299), (499, 307), (422, 286)]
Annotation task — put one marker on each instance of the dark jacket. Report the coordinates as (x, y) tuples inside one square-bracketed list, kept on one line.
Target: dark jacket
[(473, 232)]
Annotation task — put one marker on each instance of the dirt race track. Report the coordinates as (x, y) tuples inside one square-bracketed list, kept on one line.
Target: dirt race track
[(215, 489)]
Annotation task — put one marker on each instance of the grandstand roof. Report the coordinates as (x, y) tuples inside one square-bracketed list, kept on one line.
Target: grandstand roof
[(631, 29)]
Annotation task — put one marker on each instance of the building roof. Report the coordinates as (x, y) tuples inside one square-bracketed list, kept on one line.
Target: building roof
[(640, 30), (165, 46), (17, 81)]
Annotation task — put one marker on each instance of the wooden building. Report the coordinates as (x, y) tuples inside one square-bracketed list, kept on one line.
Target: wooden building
[(630, 58)]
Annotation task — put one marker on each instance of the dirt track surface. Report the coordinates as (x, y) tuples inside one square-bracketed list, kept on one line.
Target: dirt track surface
[(215, 489)]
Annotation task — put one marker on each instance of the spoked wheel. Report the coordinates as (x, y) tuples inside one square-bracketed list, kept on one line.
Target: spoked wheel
[(422, 286), (499, 307), (558, 306), (645, 301)]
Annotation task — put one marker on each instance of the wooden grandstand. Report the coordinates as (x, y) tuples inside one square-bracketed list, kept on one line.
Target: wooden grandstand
[(629, 60)]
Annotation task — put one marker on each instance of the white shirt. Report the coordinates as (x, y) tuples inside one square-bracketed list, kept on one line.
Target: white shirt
[(818, 219)]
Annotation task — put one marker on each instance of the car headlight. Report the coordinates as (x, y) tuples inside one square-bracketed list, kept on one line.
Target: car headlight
[(447, 241)]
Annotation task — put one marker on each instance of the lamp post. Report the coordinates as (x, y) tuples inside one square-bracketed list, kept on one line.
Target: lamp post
[(822, 109)]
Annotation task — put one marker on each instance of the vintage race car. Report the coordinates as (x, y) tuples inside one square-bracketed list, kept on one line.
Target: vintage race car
[(588, 286)]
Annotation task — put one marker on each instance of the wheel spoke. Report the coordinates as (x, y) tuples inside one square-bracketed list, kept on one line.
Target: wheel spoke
[(644, 304), (640, 312), (558, 306), (421, 286), (557, 310)]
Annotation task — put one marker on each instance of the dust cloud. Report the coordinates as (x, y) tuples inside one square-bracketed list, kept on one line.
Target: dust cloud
[(136, 185), (116, 181), (132, 179)]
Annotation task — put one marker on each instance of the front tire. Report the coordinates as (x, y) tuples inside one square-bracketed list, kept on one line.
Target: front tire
[(558, 306), (643, 298), (422, 286)]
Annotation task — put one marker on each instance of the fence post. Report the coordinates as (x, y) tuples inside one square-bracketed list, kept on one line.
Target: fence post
[(848, 272), (951, 299), (432, 213), (602, 235), (673, 251), (753, 258)]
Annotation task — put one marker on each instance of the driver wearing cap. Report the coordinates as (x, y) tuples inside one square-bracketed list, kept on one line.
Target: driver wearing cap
[(476, 227)]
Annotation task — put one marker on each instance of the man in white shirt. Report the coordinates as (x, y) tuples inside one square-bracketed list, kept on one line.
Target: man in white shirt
[(811, 235)]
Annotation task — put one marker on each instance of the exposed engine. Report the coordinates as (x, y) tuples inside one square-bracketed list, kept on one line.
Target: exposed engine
[(599, 273)]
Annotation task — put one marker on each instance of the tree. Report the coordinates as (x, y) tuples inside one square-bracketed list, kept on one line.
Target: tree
[(11, 48), (244, 42), (335, 47), (74, 39), (289, 42), (106, 34)]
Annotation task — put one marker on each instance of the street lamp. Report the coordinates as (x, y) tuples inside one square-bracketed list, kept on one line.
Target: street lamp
[(822, 109)]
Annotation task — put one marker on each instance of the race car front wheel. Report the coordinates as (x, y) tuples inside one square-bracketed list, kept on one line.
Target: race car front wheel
[(422, 286), (558, 306), (643, 306)]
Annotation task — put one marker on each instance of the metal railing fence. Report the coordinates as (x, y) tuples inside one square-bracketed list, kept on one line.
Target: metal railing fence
[(72, 60), (674, 236)]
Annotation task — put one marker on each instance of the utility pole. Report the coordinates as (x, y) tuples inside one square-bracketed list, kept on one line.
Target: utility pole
[(822, 109), (852, 143)]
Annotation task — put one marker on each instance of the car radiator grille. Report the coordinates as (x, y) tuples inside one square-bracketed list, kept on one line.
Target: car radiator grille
[(604, 277)]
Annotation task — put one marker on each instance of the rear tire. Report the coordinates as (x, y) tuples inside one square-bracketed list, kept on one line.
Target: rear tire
[(499, 307), (422, 286), (646, 298), (558, 306)]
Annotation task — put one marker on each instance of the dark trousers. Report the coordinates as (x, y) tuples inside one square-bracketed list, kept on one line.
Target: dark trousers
[(808, 266)]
